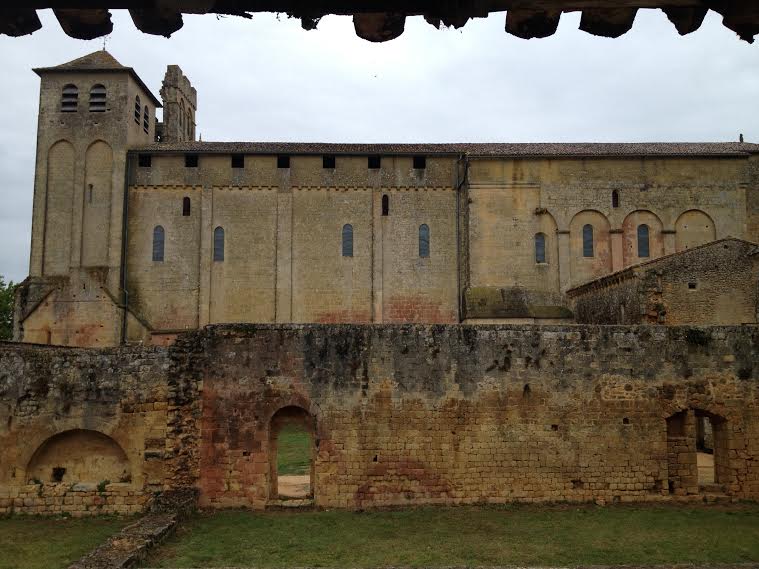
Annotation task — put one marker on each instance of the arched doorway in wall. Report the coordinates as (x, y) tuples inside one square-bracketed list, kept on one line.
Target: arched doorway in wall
[(292, 450), (697, 452), (79, 456)]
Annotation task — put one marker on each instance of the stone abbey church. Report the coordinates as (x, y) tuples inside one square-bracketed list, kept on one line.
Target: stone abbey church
[(141, 232), (450, 323)]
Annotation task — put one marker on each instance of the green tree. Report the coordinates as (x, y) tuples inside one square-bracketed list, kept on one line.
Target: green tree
[(6, 309)]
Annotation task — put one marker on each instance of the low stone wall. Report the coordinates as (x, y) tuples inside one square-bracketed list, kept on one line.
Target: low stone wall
[(399, 415), (76, 500)]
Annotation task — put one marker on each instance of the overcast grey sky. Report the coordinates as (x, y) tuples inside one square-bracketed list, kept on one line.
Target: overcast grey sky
[(267, 79)]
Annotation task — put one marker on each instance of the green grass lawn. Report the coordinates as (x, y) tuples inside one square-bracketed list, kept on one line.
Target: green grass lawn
[(293, 451), (50, 543), (529, 535)]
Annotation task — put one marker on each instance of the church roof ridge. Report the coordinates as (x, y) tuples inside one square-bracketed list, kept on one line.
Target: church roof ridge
[(483, 150)]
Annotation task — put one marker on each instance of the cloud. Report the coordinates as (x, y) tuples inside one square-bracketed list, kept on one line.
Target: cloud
[(267, 79)]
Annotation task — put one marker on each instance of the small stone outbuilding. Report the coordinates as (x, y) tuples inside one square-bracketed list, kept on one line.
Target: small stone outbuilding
[(716, 283)]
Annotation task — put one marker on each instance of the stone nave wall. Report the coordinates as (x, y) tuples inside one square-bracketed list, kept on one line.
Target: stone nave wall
[(401, 414)]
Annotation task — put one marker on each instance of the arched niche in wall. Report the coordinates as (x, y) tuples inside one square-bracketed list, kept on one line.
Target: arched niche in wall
[(584, 266), (631, 235), (79, 456), (98, 184), (693, 228), (58, 207)]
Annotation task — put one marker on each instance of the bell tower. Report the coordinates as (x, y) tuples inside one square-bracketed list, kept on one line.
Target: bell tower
[(91, 111)]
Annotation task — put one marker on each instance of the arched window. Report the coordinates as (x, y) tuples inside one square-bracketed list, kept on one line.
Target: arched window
[(540, 247), (137, 109), (69, 98), (643, 245), (615, 199), (424, 240), (185, 206), (385, 205), (218, 244), (97, 99), (158, 239), (146, 119), (587, 240), (347, 240)]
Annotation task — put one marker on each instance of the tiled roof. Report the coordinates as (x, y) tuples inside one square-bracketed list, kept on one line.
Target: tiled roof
[(548, 150), (96, 60)]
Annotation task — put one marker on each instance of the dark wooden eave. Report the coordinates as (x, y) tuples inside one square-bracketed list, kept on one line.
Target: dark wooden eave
[(382, 20)]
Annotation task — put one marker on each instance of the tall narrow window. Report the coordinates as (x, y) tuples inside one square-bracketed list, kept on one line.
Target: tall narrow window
[(540, 247), (643, 245), (97, 99), (385, 205), (587, 240), (189, 123), (218, 244), (69, 98), (424, 241), (146, 119), (347, 240), (158, 239), (615, 199), (185, 206), (137, 109)]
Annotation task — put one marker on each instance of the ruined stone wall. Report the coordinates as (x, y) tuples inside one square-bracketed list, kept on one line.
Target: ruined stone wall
[(460, 414), (401, 415), (82, 431)]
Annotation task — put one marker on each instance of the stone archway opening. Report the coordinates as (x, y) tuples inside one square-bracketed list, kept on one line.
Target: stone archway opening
[(711, 450), (697, 452), (292, 448)]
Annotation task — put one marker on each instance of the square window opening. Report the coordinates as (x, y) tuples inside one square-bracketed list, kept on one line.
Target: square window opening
[(283, 162), (420, 162), (190, 160), (375, 162), (692, 286), (238, 161), (328, 161), (144, 160)]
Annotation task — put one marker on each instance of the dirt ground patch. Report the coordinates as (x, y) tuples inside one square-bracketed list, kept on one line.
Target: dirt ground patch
[(294, 486)]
